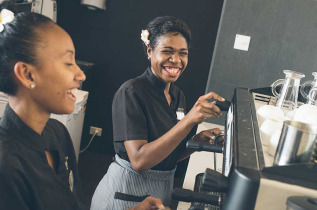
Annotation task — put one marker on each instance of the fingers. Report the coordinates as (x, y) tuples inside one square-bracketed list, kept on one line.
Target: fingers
[(150, 203), (209, 136), (211, 95), (204, 109), (203, 101), (212, 133), (155, 202), (218, 136), (209, 108), (215, 131), (208, 113), (220, 141)]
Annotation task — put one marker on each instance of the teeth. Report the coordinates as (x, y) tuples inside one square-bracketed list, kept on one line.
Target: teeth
[(72, 91), (172, 70)]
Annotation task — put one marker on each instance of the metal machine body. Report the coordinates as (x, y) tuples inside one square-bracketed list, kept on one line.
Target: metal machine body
[(253, 182), (250, 169)]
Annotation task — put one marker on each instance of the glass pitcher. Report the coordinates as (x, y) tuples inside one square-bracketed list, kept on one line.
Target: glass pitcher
[(312, 96), (311, 84), (287, 98)]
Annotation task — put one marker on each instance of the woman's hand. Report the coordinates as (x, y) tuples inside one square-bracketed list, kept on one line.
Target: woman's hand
[(145, 155), (208, 136), (204, 109), (150, 203)]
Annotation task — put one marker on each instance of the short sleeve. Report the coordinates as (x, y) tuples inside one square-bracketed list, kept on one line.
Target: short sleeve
[(129, 120)]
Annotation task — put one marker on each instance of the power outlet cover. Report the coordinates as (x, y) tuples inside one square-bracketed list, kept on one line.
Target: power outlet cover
[(95, 129)]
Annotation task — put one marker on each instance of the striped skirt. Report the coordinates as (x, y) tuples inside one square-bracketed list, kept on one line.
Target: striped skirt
[(122, 187)]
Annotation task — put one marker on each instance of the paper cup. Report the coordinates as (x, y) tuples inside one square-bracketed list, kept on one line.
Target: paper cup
[(267, 129)]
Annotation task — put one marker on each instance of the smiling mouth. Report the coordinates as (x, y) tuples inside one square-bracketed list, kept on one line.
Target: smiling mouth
[(172, 70), (71, 93)]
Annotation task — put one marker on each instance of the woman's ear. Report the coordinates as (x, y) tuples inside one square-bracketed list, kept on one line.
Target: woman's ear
[(24, 74), (149, 52)]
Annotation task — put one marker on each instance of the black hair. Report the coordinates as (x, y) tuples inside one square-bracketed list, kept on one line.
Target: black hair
[(163, 25), (18, 41)]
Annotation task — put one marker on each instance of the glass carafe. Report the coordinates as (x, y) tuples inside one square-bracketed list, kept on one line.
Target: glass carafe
[(287, 97), (311, 85), (312, 96)]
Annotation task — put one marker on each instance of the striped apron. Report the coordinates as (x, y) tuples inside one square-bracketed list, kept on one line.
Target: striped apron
[(122, 187)]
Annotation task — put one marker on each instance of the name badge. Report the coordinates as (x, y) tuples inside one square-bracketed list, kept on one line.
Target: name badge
[(70, 176), (71, 181), (180, 113)]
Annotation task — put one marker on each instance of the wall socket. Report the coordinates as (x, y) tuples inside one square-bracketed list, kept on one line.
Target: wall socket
[(95, 129)]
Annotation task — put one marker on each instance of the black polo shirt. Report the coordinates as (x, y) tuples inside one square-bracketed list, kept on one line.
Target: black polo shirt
[(26, 179), (141, 111)]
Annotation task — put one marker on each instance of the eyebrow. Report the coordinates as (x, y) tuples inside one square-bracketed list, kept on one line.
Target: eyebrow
[(173, 48), (69, 52)]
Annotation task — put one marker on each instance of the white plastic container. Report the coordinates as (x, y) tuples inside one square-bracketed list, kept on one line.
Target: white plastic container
[(3, 102), (74, 122)]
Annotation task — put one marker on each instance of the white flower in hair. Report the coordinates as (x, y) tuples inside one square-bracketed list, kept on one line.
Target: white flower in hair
[(6, 16), (145, 37)]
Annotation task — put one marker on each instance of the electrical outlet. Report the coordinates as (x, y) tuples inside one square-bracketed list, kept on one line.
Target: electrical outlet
[(95, 129)]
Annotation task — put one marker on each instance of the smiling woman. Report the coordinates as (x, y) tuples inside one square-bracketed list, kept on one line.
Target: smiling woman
[(59, 75), (169, 58), (38, 168), (149, 121)]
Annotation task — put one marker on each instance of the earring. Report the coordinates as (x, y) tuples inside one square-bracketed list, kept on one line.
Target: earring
[(32, 85), (149, 57)]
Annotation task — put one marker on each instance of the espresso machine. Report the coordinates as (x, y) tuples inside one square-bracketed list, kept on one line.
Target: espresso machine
[(249, 179)]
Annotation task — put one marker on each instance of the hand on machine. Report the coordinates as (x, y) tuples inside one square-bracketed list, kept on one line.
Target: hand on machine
[(151, 203), (223, 105), (208, 140)]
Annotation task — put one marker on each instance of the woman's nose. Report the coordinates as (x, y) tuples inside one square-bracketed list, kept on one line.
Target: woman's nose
[(175, 58), (80, 75)]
